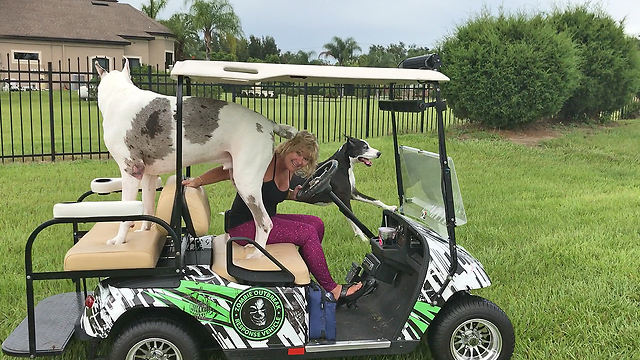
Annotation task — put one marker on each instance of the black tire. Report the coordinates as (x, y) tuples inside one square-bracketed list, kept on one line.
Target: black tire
[(155, 336), (470, 327)]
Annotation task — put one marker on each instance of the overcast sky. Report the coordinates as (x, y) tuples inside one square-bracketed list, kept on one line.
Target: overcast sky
[(308, 25)]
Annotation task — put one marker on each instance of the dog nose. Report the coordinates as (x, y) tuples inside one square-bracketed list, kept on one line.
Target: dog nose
[(378, 154)]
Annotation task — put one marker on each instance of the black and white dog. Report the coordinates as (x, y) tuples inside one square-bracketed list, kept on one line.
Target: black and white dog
[(140, 133), (343, 182)]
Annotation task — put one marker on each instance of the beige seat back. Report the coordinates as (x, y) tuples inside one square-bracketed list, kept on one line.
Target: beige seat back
[(197, 204)]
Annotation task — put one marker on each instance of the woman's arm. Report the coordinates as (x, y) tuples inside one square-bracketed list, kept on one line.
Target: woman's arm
[(210, 177)]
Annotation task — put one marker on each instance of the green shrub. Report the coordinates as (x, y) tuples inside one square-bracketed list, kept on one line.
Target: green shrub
[(609, 62), (508, 70)]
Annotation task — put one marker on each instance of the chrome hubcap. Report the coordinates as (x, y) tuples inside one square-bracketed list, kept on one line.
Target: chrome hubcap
[(154, 349), (476, 339)]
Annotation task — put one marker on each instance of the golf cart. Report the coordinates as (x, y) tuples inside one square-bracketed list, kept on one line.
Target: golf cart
[(175, 291)]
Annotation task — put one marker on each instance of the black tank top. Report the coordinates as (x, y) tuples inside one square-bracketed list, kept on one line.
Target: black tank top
[(271, 197)]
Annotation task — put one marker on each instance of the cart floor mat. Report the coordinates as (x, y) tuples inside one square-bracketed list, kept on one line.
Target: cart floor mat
[(56, 317), (362, 323)]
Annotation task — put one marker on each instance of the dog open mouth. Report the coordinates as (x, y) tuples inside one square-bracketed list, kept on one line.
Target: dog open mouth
[(365, 161)]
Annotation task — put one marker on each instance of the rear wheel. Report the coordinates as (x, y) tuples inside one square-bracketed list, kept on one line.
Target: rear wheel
[(470, 327), (150, 339)]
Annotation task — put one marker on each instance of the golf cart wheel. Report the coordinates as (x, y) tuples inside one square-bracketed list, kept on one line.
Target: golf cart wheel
[(155, 339), (470, 327)]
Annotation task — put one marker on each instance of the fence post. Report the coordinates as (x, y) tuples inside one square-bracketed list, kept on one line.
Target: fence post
[(149, 77), (51, 122), (306, 94), (368, 117)]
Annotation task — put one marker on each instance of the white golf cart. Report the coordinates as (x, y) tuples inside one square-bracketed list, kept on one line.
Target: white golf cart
[(175, 292)]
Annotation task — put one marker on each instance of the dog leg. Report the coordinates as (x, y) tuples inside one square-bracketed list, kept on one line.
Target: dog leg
[(356, 195), (129, 193), (357, 231), (148, 198), (249, 187)]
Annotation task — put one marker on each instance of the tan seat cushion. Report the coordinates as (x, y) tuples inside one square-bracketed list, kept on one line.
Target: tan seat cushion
[(286, 254), (141, 250)]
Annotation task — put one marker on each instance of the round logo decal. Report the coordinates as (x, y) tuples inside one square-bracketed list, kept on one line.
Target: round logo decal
[(257, 313)]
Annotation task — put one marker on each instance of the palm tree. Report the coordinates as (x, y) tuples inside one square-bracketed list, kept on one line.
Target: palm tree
[(181, 25), (154, 7), (216, 19), (341, 50)]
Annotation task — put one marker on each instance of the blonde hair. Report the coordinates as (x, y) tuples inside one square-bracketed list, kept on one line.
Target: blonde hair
[(303, 140)]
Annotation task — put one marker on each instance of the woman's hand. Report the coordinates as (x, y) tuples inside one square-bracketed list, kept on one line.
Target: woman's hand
[(193, 182), (293, 195)]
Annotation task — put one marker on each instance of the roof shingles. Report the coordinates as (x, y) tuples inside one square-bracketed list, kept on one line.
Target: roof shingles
[(95, 21)]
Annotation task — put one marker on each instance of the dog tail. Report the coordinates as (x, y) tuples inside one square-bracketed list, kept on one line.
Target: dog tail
[(285, 131)]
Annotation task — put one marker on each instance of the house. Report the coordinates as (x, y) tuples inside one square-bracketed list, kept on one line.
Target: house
[(73, 33)]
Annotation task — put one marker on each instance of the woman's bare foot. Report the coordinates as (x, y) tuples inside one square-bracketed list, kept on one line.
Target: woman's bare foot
[(336, 291)]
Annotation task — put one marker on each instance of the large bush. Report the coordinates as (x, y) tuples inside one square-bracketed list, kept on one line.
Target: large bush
[(609, 62), (508, 70)]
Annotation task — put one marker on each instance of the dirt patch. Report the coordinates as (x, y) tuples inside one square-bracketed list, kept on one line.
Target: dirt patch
[(529, 137)]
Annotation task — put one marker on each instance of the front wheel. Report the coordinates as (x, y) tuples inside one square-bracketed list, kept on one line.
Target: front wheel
[(155, 339), (471, 327)]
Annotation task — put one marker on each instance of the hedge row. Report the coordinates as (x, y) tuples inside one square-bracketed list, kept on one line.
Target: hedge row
[(514, 69)]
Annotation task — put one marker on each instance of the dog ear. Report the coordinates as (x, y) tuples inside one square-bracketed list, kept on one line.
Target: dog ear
[(101, 71), (125, 67)]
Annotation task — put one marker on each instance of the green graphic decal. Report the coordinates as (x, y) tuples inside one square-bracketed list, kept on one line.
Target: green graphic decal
[(201, 300), (422, 315), (257, 313)]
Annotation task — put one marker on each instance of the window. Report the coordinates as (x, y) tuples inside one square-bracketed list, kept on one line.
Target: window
[(134, 62), (21, 55), (168, 60)]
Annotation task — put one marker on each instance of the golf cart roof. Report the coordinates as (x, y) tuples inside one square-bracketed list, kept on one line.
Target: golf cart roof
[(249, 73)]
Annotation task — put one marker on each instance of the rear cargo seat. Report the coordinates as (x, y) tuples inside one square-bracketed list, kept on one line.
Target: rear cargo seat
[(142, 248)]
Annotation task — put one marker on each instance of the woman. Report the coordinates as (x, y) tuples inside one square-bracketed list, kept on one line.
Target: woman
[(297, 155)]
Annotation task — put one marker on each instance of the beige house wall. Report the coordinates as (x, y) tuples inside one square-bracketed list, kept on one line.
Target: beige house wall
[(148, 52)]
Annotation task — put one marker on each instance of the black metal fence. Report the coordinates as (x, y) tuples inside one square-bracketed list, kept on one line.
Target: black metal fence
[(49, 111)]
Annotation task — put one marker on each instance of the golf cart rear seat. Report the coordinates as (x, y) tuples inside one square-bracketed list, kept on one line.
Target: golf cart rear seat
[(142, 248)]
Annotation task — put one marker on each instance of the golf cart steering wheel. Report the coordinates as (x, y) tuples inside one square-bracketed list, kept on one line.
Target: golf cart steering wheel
[(319, 182)]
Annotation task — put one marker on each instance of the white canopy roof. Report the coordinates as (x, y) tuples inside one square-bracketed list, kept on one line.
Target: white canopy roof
[(249, 73)]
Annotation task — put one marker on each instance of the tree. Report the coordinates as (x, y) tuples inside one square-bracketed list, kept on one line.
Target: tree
[(270, 47), (215, 18), (299, 58), (610, 63), (154, 7), (181, 25), (341, 50), (255, 48)]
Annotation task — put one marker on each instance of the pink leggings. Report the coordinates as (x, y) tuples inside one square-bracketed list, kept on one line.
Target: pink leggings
[(304, 231)]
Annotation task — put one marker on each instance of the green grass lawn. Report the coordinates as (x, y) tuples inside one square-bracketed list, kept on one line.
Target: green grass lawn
[(555, 225)]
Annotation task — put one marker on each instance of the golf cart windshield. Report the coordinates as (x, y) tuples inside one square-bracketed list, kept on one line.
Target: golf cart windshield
[(421, 179)]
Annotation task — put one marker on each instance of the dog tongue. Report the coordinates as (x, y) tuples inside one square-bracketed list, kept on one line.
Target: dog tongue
[(365, 161)]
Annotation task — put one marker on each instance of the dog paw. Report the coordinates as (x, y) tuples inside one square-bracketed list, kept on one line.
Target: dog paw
[(146, 226), (115, 241), (392, 208), (254, 255)]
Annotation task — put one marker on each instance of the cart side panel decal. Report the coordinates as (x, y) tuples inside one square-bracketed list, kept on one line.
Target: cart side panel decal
[(418, 321), (238, 316), (469, 275)]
